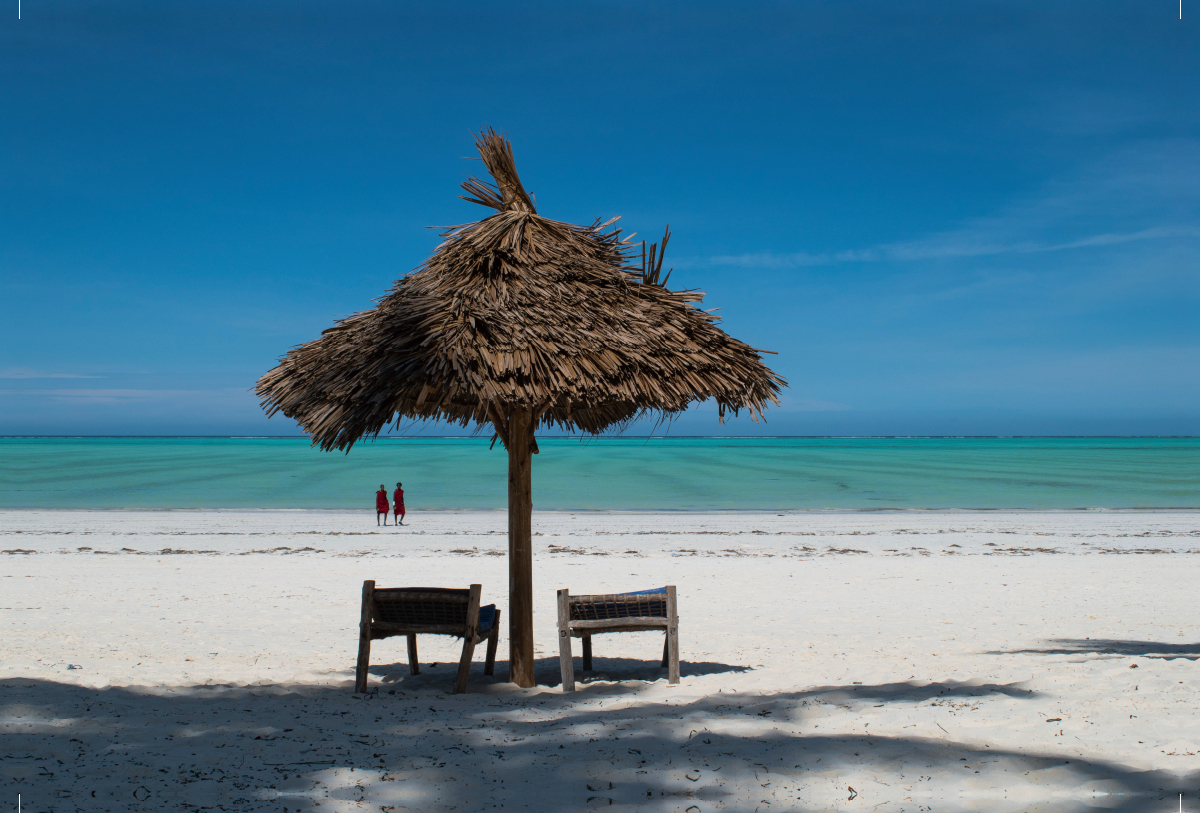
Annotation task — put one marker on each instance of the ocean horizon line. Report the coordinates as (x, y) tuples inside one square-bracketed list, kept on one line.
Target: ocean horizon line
[(616, 437)]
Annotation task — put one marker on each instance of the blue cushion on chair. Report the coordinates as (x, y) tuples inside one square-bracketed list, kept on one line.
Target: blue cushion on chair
[(487, 617), (662, 590)]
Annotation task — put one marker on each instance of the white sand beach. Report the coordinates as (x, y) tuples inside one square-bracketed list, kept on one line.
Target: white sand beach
[(946, 661)]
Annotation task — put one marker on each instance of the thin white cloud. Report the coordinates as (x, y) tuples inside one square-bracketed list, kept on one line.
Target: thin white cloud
[(1114, 239), (951, 246), (104, 393), (26, 372), (1144, 193), (113, 396)]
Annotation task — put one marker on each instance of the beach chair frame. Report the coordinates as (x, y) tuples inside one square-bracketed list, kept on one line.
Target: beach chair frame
[(585, 616), (413, 611)]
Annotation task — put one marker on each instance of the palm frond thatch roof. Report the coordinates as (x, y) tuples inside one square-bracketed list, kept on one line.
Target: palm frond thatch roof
[(518, 310)]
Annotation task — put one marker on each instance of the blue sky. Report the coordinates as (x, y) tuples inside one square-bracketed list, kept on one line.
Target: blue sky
[(946, 217)]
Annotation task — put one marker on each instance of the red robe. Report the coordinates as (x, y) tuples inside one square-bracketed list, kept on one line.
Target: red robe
[(381, 502), (398, 496)]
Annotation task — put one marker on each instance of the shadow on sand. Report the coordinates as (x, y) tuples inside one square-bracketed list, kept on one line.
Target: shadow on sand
[(1110, 646), (413, 746), (546, 671)]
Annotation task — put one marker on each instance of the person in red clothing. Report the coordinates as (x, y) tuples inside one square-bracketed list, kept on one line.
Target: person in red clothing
[(398, 504), (381, 504)]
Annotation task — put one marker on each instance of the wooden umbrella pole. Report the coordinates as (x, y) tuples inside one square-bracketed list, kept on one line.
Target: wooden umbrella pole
[(520, 547)]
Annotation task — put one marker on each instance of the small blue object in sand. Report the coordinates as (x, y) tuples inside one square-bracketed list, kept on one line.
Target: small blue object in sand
[(74, 666)]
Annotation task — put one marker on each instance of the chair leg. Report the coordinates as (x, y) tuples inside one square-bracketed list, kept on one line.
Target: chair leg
[(666, 649), (673, 654), (566, 661), (414, 665), (364, 637), (587, 653), (364, 659), (489, 666), (464, 665)]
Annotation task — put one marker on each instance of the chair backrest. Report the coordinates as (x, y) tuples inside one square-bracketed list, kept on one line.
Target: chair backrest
[(603, 606), (432, 608)]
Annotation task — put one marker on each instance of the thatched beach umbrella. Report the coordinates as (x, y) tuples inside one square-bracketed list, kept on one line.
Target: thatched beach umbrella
[(519, 321)]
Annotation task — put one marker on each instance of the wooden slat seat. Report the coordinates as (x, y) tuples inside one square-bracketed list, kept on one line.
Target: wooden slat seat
[(585, 616), (411, 611)]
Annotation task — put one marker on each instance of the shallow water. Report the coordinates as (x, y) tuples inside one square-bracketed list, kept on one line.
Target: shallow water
[(607, 474)]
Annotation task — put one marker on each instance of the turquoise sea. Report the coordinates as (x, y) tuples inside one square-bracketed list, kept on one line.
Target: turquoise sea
[(610, 473)]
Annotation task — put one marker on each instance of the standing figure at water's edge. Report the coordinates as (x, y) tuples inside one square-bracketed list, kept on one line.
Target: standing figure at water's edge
[(398, 505), (381, 504)]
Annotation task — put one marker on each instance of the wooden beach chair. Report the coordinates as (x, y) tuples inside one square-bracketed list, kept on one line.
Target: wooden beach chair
[(413, 611), (585, 616)]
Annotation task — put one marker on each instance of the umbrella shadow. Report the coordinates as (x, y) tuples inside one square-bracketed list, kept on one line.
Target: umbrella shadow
[(548, 673), (312, 748), (635, 675), (1110, 646)]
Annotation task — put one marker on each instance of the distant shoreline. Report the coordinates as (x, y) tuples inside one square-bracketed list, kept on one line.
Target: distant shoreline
[(616, 437), (415, 512)]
